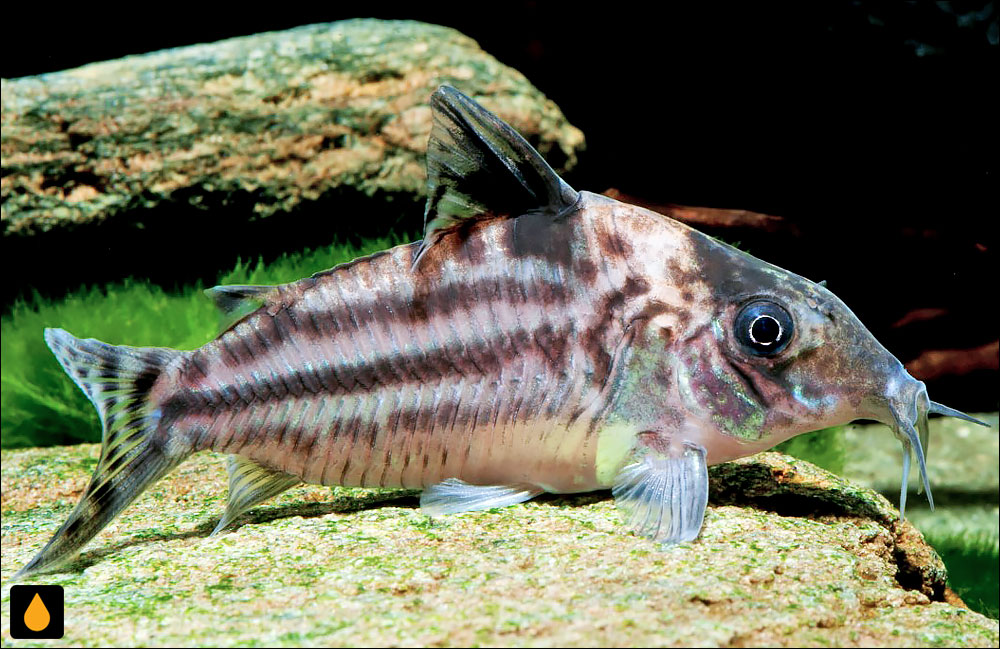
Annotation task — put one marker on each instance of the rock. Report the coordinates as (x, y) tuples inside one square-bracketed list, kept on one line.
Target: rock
[(733, 222), (964, 526), (790, 555), (935, 363), (321, 128)]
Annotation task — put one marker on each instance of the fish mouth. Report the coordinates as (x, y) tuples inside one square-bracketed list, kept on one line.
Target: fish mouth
[(909, 407)]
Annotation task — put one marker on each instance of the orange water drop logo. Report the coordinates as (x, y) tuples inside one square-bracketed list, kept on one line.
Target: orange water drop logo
[(37, 616)]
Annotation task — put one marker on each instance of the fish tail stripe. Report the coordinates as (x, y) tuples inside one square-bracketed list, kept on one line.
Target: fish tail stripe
[(117, 380)]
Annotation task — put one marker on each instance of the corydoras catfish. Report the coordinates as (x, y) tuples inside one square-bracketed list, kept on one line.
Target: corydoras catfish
[(538, 339)]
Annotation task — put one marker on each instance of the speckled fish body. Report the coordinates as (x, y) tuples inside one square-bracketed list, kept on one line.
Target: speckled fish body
[(538, 339)]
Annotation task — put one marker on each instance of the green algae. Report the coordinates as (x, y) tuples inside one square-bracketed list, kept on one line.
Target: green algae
[(273, 119)]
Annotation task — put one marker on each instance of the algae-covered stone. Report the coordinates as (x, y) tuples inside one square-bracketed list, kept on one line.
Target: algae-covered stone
[(790, 555), (965, 524), (281, 117)]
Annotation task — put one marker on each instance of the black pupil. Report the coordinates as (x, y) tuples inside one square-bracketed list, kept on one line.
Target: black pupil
[(765, 330)]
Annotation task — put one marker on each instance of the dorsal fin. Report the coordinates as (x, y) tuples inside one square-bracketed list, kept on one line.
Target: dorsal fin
[(235, 302), (479, 167)]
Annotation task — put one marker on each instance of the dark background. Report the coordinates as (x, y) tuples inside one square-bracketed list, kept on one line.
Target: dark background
[(870, 126)]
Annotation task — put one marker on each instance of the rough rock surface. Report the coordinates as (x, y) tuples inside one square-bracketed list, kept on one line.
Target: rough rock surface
[(790, 555), (322, 129), (284, 116), (962, 467)]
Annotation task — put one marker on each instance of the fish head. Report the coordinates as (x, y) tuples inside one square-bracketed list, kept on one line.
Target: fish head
[(774, 355)]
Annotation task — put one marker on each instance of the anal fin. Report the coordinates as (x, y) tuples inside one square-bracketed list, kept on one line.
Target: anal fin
[(453, 496), (664, 494), (251, 484)]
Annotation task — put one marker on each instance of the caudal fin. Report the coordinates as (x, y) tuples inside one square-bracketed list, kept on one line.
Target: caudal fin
[(117, 380)]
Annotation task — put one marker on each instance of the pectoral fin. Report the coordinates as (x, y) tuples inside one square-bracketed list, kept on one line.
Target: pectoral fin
[(453, 496), (663, 495), (251, 484)]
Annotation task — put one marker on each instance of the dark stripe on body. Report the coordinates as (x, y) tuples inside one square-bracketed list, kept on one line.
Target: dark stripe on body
[(552, 345)]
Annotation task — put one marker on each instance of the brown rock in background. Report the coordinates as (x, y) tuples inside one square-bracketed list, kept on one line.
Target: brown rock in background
[(712, 217)]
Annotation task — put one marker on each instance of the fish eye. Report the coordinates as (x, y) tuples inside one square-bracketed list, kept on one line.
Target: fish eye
[(763, 328)]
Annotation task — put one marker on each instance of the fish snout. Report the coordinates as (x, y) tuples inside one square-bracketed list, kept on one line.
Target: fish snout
[(908, 404), (905, 410)]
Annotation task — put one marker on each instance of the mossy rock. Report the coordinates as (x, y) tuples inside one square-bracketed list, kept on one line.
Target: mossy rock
[(790, 555), (284, 116), (251, 145)]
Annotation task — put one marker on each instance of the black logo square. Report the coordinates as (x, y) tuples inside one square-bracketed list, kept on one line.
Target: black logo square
[(36, 612)]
